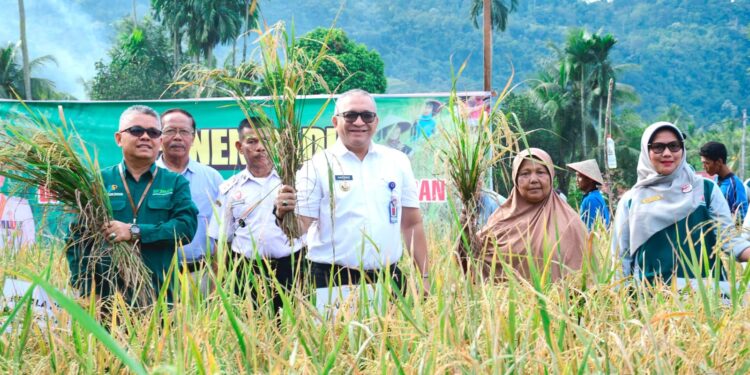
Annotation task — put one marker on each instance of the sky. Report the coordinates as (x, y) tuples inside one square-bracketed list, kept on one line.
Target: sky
[(63, 29)]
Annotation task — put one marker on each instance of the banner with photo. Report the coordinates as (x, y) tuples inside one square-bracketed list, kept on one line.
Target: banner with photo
[(408, 123)]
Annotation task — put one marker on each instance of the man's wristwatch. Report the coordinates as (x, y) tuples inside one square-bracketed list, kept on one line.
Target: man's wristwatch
[(135, 232)]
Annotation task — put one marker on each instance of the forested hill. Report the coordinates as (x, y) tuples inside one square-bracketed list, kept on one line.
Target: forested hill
[(692, 53)]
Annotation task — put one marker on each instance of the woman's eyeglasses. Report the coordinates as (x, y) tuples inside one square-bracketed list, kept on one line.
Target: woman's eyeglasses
[(138, 131), (658, 147)]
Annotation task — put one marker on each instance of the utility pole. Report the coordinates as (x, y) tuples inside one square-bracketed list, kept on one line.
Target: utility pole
[(24, 52), (487, 45), (742, 149)]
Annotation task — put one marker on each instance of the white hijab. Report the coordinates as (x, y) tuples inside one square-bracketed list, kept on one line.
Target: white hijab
[(658, 201)]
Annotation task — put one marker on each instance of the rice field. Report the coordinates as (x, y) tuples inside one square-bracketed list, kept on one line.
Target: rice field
[(462, 326)]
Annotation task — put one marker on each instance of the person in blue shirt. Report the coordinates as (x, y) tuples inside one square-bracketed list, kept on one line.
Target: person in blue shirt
[(714, 159), (593, 205)]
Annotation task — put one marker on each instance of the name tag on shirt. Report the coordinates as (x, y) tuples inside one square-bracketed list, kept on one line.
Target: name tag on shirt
[(343, 177), (651, 199)]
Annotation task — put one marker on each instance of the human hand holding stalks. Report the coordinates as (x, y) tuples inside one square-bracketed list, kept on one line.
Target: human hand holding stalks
[(117, 231), (285, 201)]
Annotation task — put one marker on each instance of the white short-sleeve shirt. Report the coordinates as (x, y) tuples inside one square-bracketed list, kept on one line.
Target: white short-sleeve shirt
[(246, 199), (349, 199)]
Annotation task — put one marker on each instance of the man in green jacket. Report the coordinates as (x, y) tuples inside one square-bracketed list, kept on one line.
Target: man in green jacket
[(151, 206)]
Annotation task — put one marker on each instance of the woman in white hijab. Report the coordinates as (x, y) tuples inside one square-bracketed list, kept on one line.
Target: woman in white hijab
[(671, 213)]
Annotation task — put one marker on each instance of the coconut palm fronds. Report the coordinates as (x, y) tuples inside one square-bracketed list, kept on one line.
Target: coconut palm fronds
[(35, 153)]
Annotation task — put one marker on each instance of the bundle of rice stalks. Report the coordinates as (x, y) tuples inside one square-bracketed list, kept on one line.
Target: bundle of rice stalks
[(36, 153), (469, 150), (285, 73)]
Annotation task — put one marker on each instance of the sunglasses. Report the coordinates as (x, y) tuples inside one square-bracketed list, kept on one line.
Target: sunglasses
[(138, 131), (351, 116), (658, 148)]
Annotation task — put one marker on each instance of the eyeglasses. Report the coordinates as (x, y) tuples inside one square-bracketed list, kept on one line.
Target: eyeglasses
[(138, 131), (170, 132), (351, 116), (658, 148)]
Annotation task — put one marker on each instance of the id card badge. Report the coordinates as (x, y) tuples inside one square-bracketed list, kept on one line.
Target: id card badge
[(393, 204)]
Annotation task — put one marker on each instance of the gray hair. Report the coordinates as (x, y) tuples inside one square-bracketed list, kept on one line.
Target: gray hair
[(354, 92), (139, 109)]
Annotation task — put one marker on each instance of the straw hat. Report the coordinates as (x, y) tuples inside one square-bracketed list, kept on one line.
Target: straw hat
[(588, 168)]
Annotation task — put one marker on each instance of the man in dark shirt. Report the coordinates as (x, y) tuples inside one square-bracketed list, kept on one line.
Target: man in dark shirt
[(151, 207)]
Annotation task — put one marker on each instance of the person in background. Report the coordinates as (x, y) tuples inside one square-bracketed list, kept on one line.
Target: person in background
[(534, 226), (714, 159), (260, 249), (588, 180), (670, 211), (178, 134)]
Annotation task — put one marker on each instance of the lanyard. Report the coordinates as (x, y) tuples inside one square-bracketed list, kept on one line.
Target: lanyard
[(130, 197)]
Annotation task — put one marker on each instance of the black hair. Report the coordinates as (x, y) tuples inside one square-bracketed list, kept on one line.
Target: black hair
[(253, 122), (180, 110), (714, 151)]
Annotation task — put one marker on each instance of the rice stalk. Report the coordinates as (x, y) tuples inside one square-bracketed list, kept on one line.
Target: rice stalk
[(468, 151), (283, 77), (35, 152)]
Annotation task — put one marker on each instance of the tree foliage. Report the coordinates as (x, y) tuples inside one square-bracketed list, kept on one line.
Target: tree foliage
[(140, 65), (11, 76), (356, 65)]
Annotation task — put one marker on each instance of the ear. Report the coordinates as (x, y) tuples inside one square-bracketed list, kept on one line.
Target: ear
[(118, 139), (335, 121), (238, 146)]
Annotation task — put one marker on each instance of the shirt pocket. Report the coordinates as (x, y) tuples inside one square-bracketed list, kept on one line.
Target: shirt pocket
[(158, 208), (118, 206)]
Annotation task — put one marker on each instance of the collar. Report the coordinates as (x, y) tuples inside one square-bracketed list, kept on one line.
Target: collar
[(730, 175), (190, 167), (127, 172), (246, 175), (339, 149)]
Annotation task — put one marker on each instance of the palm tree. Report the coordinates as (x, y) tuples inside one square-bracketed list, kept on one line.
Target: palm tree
[(579, 58), (495, 18), (554, 95), (175, 14), (12, 79), (212, 22)]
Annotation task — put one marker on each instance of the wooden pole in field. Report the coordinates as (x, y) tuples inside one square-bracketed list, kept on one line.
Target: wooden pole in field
[(608, 130), (487, 45)]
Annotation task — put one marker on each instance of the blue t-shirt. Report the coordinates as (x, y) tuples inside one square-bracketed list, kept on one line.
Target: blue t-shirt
[(734, 191), (593, 205)]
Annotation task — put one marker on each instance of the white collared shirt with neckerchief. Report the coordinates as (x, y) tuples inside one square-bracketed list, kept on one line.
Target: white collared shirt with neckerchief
[(356, 205), (249, 200)]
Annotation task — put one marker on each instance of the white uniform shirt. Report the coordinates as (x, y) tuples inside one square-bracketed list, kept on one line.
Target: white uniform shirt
[(17, 227), (349, 200), (237, 196)]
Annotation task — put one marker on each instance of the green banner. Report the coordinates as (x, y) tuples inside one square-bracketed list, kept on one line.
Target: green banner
[(407, 123)]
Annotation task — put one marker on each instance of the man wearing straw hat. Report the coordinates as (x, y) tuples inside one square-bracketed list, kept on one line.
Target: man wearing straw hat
[(359, 201), (588, 179), (151, 207)]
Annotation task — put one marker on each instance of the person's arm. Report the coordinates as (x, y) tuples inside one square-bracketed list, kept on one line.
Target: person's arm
[(414, 237), (588, 212), (740, 200), (621, 236), (738, 244), (183, 218)]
